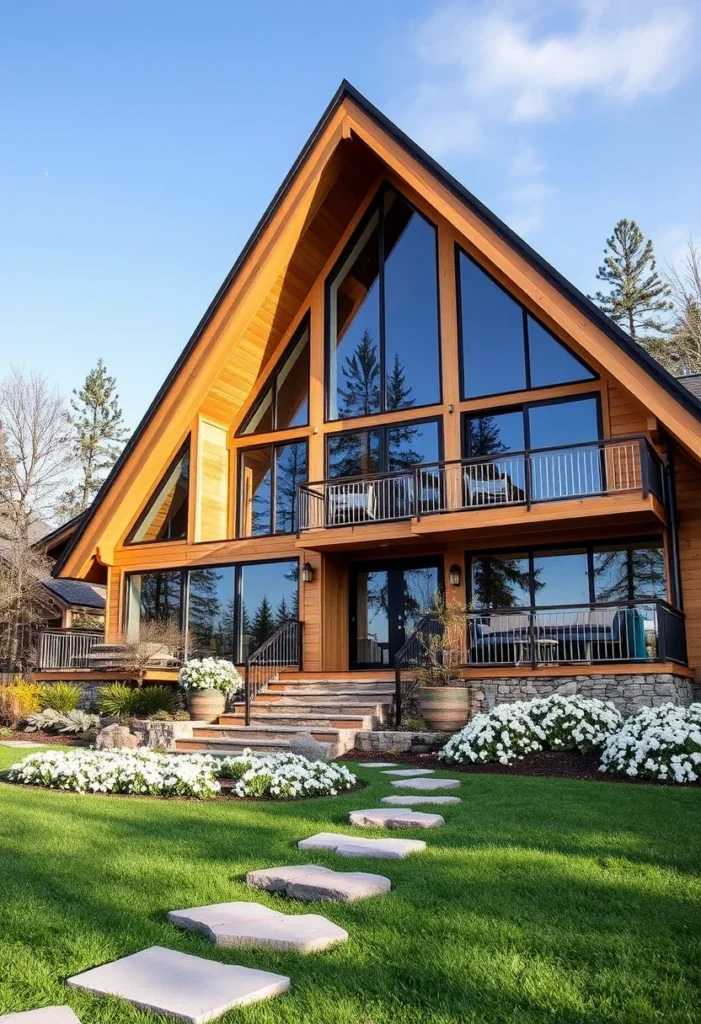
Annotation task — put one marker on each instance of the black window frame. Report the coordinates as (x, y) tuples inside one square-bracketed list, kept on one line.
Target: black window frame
[(272, 447), (524, 407), (592, 375), (271, 385), (185, 570), (377, 206), (186, 446), (532, 551), (383, 429)]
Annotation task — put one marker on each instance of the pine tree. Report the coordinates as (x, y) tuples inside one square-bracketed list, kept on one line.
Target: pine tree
[(283, 614), (360, 392), (637, 295), (98, 436), (398, 391), (263, 625)]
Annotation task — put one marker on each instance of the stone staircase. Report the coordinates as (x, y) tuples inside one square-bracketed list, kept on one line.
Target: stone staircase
[(331, 710)]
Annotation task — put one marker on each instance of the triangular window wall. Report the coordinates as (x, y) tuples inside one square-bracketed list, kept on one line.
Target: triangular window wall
[(165, 516), (284, 403)]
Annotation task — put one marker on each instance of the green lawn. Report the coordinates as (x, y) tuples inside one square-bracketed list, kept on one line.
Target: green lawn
[(539, 900)]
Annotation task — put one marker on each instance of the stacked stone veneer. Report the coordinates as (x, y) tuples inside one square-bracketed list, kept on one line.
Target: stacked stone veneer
[(627, 692)]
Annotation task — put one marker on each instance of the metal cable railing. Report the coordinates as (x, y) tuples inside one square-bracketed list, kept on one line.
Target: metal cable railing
[(283, 649)]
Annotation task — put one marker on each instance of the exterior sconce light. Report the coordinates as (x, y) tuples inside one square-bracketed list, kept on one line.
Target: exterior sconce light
[(454, 575), (307, 573)]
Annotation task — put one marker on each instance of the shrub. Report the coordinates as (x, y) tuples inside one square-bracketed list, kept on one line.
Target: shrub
[(210, 674), (284, 776), (657, 743), (117, 700), (510, 731), (50, 720), (119, 771), (63, 697), (18, 700), (151, 700)]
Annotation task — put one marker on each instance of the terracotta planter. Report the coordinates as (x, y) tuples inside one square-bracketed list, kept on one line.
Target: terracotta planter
[(206, 705), (444, 708)]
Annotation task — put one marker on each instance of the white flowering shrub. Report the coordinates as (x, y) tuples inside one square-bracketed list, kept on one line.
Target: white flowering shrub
[(576, 723), (661, 743), (210, 674), (510, 731), (119, 771), (285, 776), (505, 734)]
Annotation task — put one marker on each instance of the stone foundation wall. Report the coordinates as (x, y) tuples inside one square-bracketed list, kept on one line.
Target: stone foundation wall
[(629, 693), (387, 742)]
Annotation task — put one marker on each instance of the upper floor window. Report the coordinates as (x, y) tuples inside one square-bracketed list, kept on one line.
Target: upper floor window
[(165, 516), (268, 488), (503, 347), (284, 402), (382, 304), (393, 448), (571, 421)]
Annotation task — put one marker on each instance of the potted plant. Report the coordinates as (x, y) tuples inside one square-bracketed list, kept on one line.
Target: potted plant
[(443, 695), (208, 682)]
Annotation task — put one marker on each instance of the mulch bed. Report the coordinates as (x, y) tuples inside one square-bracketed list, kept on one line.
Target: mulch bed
[(553, 764), (62, 739)]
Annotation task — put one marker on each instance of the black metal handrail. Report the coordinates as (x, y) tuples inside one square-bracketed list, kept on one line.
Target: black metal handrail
[(282, 649)]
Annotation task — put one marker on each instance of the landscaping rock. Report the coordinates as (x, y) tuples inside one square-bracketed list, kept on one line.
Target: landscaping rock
[(46, 1015), (411, 772), (312, 882), (116, 737), (384, 741), (416, 801), (426, 784), (252, 925), (350, 846), (180, 985), (381, 817), (305, 745)]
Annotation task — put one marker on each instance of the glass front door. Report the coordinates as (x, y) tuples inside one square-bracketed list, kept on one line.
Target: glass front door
[(387, 601)]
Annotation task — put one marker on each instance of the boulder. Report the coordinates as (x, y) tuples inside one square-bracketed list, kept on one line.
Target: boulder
[(305, 745), (116, 737)]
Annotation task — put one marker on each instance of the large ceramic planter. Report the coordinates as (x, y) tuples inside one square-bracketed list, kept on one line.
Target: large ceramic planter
[(444, 708), (206, 705)]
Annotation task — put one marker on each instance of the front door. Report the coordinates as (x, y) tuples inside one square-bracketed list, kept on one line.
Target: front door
[(387, 600)]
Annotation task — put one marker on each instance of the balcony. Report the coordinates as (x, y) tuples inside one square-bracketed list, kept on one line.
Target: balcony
[(597, 478)]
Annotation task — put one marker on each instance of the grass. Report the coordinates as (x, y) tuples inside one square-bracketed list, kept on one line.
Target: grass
[(541, 899)]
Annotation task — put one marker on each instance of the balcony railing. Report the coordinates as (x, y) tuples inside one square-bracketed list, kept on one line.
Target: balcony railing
[(526, 478), (66, 648)]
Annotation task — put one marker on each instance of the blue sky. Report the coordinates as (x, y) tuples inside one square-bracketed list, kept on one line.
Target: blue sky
[(140, 142)]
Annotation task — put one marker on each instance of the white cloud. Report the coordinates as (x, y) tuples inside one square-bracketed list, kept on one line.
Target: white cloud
[(527, 191), (509, 63)]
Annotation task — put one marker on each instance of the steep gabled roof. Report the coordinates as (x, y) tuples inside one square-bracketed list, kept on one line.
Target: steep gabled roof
[(346, 91)]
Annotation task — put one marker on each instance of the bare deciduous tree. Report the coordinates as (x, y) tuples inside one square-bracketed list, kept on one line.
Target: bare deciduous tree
[(23, 601), (684, 344), (157, 644)]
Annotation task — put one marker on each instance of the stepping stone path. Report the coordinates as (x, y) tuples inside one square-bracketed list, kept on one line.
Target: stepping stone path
[(28, 743), (378, 764), (417, 801), (181, 985), (411, 772), (249, 924), (427, 784), (46, 1015), (349, 846), (312, 882), (381, 817)]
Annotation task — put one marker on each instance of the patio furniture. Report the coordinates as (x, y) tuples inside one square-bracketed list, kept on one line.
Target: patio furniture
[(351, 503)]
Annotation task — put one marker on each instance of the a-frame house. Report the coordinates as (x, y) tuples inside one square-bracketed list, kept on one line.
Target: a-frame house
[(392, 395)]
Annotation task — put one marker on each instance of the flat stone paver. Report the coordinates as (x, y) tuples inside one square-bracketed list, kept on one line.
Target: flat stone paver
[(252, 925), (426, 784), (180, 985), (383, 817), (408, 773), (46, 1015), (351, 846), (313, 882), (418, 801), (378, 764), (26, 743)]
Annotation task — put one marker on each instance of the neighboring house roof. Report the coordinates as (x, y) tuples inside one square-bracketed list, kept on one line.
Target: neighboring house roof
[(53, 542), (692, 382), (77, 593), (669, 383)]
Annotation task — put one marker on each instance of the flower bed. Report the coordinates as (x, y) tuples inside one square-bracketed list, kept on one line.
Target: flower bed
[(510, 731), (146, 773), (661, 743), (285, 776)]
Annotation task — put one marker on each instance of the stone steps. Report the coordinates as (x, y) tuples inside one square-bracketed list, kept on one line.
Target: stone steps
[(306, 721)]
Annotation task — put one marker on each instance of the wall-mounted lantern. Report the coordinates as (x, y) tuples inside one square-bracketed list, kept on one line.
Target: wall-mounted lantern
[(307, 573), (454, 575)]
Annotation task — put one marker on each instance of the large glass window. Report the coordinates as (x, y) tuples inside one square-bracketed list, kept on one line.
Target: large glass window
[(574, 421), (165, 516), (391, 448), (285, 401), (269, 598), (561, 577), (501, 581), (154, 597), (268, 488), (624, 572), (211, 612), (503, 347), (383, 348)]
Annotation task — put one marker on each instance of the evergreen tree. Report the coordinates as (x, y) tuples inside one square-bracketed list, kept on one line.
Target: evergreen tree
[(637, 296), (283, 614), (360, 392), (263, 625), (98, 436), (398, 391)]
